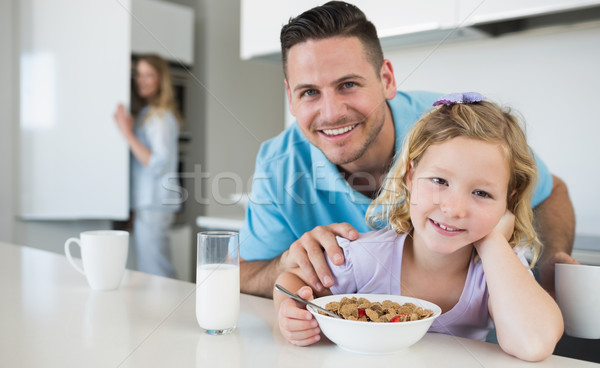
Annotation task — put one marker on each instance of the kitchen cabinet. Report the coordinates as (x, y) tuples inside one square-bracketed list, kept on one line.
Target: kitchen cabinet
[(259, 33), (485, 11), (166, 29), (399, 23), (261, 20), (74, 61), (75, 67)]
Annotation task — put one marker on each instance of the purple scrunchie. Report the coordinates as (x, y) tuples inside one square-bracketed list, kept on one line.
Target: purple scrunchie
[(459, 97)]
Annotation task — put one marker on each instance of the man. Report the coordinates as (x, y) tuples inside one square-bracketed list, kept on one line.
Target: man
[(315, 180)]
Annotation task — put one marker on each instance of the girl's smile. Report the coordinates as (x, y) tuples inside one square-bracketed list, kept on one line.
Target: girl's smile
[(445, 229)]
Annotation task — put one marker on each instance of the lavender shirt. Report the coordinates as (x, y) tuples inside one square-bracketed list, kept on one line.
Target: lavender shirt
[(373, 265)]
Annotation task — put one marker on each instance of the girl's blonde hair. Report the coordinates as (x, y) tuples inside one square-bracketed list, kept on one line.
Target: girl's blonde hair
[(165, 100), (482, 121)]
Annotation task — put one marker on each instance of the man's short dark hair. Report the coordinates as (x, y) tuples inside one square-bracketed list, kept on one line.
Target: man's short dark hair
[(333, 19)]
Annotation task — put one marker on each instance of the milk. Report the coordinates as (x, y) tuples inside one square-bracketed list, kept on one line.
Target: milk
[(217, 296)]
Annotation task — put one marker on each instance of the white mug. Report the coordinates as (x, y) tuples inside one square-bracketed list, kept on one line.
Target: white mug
[(104, 255), (578, 296)]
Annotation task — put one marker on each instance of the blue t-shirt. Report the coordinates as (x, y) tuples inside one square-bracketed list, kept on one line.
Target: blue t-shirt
[(295, 188)]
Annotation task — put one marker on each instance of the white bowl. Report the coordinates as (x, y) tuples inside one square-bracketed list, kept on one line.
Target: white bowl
[(374, 337)]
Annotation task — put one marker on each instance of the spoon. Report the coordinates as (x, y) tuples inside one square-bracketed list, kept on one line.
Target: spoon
[(302, 300)]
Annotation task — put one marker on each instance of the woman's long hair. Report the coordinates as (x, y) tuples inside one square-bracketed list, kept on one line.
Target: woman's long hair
[(165, 99)]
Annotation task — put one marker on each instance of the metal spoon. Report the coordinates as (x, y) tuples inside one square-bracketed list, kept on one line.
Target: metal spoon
[(302, 300)]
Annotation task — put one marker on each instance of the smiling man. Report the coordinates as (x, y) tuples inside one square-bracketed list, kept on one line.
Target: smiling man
[(315, 180), (338, 102)]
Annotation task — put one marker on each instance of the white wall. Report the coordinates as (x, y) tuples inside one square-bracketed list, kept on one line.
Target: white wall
[(551, 76), (242, 107)]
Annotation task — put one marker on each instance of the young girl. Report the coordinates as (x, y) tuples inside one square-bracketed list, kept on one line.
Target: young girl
[(456, 218), (153, 143)]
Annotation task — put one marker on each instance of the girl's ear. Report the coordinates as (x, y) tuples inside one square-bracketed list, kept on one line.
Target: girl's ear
[(511, 195), (409, 174)]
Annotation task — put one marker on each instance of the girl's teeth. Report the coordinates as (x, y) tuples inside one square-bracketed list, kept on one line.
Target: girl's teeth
[(338, 131), (445, 227)]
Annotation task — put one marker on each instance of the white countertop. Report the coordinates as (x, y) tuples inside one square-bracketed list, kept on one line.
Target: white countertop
[(219, 223), (49, 317)]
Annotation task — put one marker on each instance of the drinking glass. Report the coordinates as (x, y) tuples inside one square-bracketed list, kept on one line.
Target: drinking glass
[(218, 281)]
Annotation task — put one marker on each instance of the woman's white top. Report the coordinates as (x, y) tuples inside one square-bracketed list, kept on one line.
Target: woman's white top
[(156, 186)]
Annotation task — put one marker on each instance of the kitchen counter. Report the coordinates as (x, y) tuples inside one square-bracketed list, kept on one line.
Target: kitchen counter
[(219, 223), (51, 318)]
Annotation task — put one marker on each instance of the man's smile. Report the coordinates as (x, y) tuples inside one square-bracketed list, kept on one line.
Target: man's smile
[(338, 131)]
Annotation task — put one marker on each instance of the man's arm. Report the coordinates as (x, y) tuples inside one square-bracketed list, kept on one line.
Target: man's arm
[(555, 224), (306, 254), (258, 277)]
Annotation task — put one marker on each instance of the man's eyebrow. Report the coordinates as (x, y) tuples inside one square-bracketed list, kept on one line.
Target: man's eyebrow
[(304, 86), (337, 81), (348, 77)]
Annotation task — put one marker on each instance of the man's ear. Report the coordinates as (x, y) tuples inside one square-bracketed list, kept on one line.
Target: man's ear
[(388, 79)]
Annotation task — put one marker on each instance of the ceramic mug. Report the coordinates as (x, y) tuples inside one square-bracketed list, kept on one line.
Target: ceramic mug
[(578, 296), (103, 254)]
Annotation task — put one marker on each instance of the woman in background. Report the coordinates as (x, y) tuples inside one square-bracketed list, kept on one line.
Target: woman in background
[(152, 139)]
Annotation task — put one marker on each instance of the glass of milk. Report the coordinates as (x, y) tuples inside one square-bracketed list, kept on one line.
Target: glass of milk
[(218, 281)]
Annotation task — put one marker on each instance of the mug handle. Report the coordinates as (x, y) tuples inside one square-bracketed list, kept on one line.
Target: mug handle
[(68, 253)]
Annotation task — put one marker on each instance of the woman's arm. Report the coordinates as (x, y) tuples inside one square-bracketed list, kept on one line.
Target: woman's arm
[(296, 324), (125, 123), (528, 321)]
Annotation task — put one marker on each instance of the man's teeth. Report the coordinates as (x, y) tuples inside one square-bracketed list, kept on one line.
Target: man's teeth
[(339, 131), (445, 227)]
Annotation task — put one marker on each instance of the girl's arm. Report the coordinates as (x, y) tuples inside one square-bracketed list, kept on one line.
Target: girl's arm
[(296, 324), (528, 321)]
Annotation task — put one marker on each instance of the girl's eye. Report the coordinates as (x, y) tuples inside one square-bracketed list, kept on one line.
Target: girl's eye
[(439, 181), (482, 194)]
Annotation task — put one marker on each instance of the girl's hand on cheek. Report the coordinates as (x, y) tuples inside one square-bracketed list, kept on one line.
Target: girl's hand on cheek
[(504, 229), (506, 225), (296, 323)]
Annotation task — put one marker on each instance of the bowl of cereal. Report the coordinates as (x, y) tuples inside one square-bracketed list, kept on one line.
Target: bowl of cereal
[(375, 323)]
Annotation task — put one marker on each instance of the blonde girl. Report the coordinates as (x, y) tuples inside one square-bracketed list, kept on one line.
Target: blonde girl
[(456, 224)]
